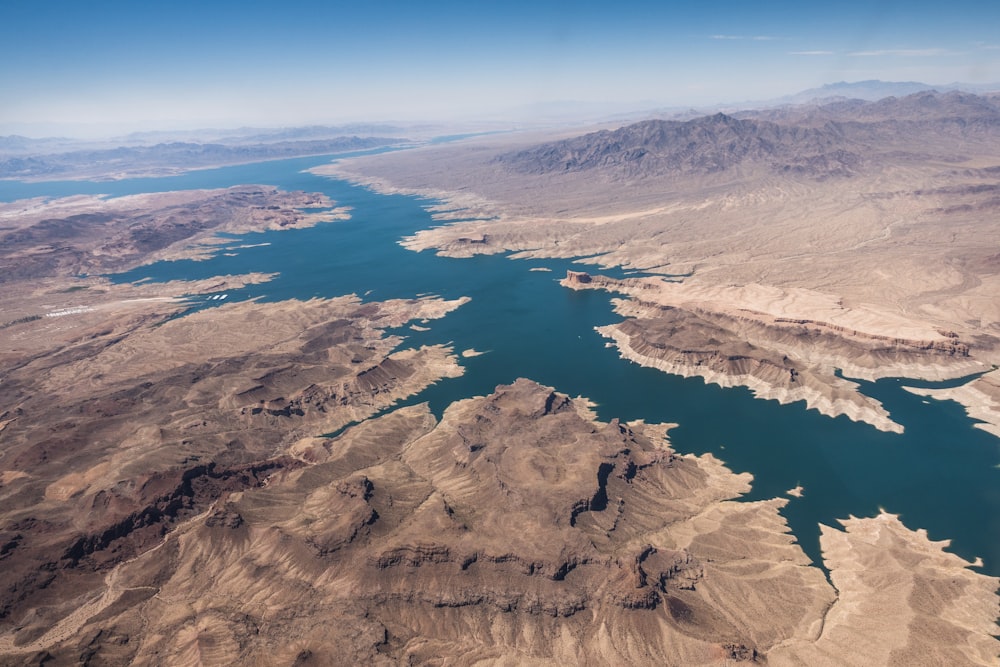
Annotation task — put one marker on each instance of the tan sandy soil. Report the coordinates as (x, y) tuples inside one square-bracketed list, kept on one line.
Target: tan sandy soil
[(53, 252), (51, 313)]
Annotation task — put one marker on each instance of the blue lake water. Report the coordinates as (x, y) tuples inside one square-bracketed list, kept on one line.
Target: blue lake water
[(942, 474)]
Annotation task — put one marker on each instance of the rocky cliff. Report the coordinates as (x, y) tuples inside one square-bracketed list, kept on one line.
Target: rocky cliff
[(692, 332)]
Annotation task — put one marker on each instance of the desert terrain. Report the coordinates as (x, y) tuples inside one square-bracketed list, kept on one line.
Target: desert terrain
[(255, 483), (517, 529), (851, 235), (121, 419)]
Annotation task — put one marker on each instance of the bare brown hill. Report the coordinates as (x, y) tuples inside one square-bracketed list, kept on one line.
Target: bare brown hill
[(518, 529), (111, 442), (92, 235)]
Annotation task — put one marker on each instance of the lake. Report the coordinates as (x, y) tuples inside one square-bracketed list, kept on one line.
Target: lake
[(942, 474)]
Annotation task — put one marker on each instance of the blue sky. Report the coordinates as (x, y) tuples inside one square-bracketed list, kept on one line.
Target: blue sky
[(213, 63)]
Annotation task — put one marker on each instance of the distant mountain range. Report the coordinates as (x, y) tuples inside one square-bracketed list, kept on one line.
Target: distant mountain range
[(965, 109), (819, 141), (569, 111), (705, 145), (168, 157), (652, 147), (262, 135), (874, 89)]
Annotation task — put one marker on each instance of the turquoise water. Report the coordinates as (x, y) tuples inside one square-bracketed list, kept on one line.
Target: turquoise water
[(942, 474)]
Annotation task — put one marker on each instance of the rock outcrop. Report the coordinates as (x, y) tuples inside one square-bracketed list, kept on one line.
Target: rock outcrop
[(90, 235), (516, 529), (112, 443), (714, 335), (707, 145)]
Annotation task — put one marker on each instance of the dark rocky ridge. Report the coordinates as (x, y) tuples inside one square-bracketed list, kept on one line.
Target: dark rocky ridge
[(705, 145), (102, 240), (837, 139), (963, 109)]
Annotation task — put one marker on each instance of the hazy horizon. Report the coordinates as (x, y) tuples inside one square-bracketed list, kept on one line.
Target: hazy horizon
[(117, 67)]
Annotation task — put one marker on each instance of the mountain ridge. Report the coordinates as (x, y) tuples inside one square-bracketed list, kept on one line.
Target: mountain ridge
[(706, 145), (818, 141)]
